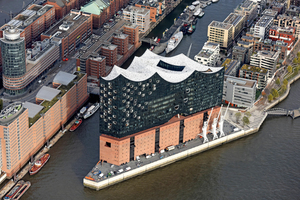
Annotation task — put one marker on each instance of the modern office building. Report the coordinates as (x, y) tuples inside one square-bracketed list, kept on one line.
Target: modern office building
[(20, 70), (270, 12), (262, 27), (26, 127), (265, 59), (209, 54), (72, 30), (255, 73), (220, 33), (139, 103), (138, 16), (237, 22), (239, 91), (100, 54), (231, 67), (157, 8), (249, 10)]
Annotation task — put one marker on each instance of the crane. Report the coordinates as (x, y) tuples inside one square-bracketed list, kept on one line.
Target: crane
[(204, 128), (214, 125), (221, 122)]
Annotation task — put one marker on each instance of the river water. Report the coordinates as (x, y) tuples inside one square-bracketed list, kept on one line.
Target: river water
[(265, 165)]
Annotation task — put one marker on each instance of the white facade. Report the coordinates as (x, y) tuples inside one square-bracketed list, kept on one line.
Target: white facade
[(138, 16), (262, 27), (266, 60), (239, 91), (209, 54)]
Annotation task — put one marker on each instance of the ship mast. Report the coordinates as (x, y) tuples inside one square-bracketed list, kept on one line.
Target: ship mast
[(221, 122)]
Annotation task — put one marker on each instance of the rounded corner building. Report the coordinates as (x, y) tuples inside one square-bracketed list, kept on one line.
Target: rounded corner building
[(139, 102)]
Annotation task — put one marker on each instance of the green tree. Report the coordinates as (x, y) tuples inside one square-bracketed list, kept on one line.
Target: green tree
[(290, 69), (238, 116), (283, 87), (277, 81), (295, 61), (270, 97), (274, 93), (1, 104), (246, 120), (248, 114), (298, 54), (296, 70), (285, 82)]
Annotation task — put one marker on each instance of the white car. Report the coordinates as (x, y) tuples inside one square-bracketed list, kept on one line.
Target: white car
[(128, 168)]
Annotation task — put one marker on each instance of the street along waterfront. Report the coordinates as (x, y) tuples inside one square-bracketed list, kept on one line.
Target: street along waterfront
[(264, 165)]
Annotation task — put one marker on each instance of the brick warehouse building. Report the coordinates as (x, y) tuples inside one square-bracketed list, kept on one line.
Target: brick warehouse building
[(157, 102), (26, 127), (63, 7)]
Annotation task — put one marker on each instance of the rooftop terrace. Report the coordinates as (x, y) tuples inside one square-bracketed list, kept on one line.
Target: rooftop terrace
[(254, 69), (220, 25)]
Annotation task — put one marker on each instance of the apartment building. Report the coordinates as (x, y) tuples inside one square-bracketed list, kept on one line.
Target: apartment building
[(262, 27), (249, 10), (265, 59), (285, 34), (240, 53), (26, 127), (138, 16), (220, 33), (231, 67), (260, 75), (237, 22), (157, 8), (269, 45), (239, 91), (209, 54), (72, 30), (288, 21)]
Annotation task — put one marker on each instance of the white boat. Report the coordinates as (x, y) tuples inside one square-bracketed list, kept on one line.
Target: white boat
[(192, 8), (214, 1), (197, 12), (91, 110), (81, 112), (174, 41), (208, 3), (201, 14), (195, 3)]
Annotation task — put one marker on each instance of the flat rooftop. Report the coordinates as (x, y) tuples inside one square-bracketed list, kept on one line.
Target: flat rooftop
[(230, 64), (220, 25), (241, 42), (247, 37), (240, 81), (33, 108), (136, 10), (264, 53), (264, 21), (239, 49), (210, 45), (287, 30), (233, 18), (67, 25), (254, 69), (63, 78), (205, 53), (270, 12)]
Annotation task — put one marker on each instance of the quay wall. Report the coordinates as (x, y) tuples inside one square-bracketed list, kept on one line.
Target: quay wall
[(171, 159)]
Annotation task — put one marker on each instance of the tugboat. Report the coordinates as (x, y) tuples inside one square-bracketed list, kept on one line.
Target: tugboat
[(39, 164), (191, 29), (75, 125)]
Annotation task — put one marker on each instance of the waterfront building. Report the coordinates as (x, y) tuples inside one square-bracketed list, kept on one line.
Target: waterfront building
[(209, 54), (262, 27), (157, 9), (138, 16), (255, 73), (285, 34), (237, 22), (270, 12), (239, 91), (240, 53), (220, 33), (138, 104), (265, 59), (72, 30), (249, 10), (100, 54), (288, 21), (26, 127), (20, 70), (231, 67)]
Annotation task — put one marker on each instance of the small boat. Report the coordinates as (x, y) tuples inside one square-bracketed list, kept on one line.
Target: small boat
[(192, 8), (158, 40), (208, 3), (75, 125), (191, 29), (215, 1), (91, 110), (201, 14), (151, 48), (197, 12), (155, 39), (26, 185), (39, 164), (195, 3), (174, 41)]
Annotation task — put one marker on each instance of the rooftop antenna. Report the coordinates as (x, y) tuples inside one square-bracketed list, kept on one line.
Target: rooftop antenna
[(221, 122)]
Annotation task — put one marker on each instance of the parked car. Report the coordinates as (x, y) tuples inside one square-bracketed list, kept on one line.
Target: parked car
[(65, 59)]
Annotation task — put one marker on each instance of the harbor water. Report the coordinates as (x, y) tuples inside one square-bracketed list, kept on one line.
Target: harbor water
[(264, 165)]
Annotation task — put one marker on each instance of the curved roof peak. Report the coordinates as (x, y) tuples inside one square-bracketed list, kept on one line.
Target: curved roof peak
[(175, 69)]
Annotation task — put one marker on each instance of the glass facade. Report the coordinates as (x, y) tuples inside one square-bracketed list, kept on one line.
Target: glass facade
[(128, 107), (13, 57)]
